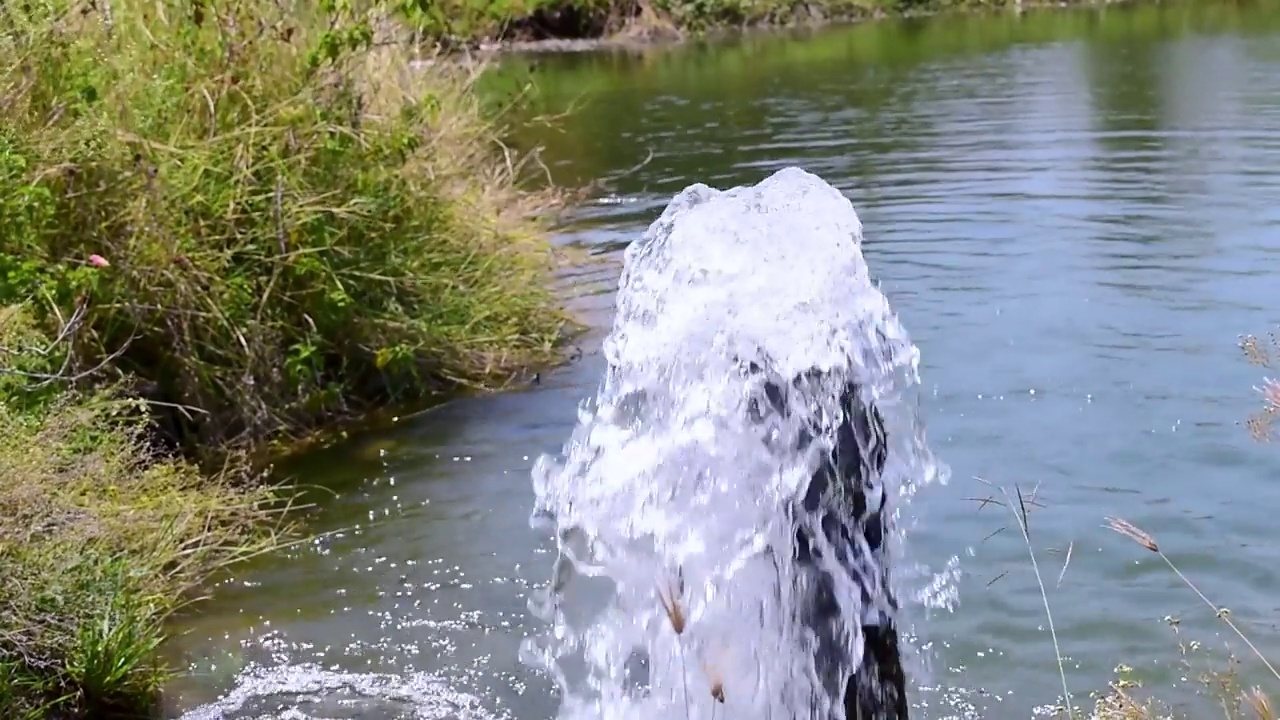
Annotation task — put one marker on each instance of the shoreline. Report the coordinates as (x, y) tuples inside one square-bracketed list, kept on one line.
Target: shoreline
[(629, 40), (210, 266)]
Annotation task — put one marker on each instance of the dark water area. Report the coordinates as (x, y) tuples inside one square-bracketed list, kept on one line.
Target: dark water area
[(1075, 214)]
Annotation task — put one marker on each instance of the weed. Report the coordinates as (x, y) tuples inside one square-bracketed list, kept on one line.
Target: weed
[(1019, 504)]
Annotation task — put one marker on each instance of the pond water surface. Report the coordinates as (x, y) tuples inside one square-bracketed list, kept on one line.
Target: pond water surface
[(1075, 213)]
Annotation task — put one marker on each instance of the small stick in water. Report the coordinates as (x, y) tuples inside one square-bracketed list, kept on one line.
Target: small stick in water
[(671, 598)]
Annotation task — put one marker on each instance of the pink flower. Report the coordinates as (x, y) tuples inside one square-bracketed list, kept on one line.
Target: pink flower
[(97, 260)]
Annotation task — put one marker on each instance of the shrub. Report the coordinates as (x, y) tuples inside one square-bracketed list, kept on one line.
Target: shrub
[(269, 219), (99, 541)]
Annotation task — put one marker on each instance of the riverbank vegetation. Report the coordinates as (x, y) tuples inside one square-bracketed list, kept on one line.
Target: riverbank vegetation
[(100, 540), (269, 228), (224, 225), (460, 22)]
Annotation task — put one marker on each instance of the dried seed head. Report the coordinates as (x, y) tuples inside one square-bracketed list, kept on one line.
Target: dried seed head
[(717, 681), (671, 597), (1260, 703), (1260, 426), (1131, 531), (1270, 392), (1254, 351)]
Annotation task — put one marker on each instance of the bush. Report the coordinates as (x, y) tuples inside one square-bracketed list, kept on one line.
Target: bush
[(100, 540), (269, 219)]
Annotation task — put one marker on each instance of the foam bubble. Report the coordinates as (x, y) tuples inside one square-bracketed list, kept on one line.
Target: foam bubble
[(309, 692)]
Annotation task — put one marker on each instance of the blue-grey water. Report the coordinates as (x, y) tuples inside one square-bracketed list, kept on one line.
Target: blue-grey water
[(1076, 214)]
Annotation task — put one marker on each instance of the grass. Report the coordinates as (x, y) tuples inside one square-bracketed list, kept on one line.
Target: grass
[(260, 215), (1122, 701), (1255, 697), (101, 539), (224, 226)]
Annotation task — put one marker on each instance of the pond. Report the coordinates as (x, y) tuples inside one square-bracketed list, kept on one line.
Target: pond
[(1075, 214)]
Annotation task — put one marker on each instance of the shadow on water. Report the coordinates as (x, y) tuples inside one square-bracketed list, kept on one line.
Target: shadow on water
[(1074, 213)]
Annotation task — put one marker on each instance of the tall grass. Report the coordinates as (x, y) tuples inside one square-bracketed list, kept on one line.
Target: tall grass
[(1120, 702), (100, 540), (247, 220), (261, 211)]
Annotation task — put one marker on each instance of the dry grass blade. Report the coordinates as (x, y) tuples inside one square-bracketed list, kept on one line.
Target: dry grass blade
[(1131, 531), (1020, 515), (1147, 541), (672, 599), (1260, 703), (1065, 563), (1025, 501)]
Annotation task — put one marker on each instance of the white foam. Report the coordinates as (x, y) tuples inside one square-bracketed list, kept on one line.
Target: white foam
[(309, 692), (667, 471)]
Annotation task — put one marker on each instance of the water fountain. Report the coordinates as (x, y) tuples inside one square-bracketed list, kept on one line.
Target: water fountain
[(748, 335)]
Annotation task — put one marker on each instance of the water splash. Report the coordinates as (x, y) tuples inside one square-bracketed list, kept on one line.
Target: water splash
[(744, 320), (309, 692)]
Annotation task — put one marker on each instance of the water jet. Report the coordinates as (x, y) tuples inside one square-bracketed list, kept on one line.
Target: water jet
[(731, 490)]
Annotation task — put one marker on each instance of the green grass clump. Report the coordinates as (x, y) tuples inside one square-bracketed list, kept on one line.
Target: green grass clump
[(260, 211), (100, 541)]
